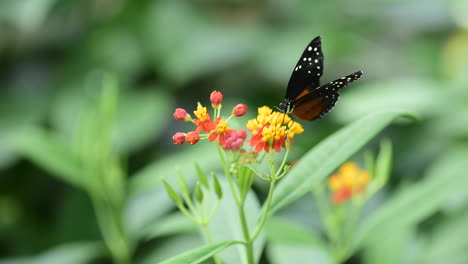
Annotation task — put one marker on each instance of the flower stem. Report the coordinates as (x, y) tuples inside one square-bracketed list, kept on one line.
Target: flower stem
[(265, 211), (208, 239), (228, 174), (248, 240), (282, 164)]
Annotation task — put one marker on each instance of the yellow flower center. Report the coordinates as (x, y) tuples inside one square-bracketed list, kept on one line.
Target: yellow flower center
[(201, 112), (274, 124), (222, 126)]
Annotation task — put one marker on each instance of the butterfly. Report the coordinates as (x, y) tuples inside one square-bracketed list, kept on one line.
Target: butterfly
[(305, 98)]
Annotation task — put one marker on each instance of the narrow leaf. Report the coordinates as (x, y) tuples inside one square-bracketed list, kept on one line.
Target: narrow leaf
[(202, 176), (172, 193), (199, 193), (322, 160), (170, 225), (199, 254), (446, 178), (217, 187), (50, 153)]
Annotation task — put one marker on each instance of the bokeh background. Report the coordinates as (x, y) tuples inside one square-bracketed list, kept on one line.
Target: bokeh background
[(167, 54)]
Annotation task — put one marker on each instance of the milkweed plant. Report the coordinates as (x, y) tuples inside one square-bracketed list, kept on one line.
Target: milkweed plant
[(260, 150)]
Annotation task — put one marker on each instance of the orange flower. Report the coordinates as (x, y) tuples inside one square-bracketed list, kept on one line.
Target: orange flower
[(193, 137), (349, 181), (221, 130), (272, 129), (203, 122)]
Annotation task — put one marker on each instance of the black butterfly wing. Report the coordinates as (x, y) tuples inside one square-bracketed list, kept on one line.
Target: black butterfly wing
[(317, 103), (306, 75)]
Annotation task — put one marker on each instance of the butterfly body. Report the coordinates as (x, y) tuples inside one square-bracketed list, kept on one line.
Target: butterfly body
[(305, 98)]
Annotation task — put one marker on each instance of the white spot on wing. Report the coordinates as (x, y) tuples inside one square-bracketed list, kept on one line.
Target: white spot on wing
[(309, 48)]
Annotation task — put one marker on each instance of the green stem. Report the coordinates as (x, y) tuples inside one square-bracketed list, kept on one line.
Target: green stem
[(326, 214), (209, 240), (265, 211), (228, 174), (248, 240), (282, 164), (112, 230)]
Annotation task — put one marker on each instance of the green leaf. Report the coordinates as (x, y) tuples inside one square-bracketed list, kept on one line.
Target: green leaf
[(217, 187), (50, 153), (148, 200), (392, 249), (172, 193), (446, 178), (174, 223), (322, 160), (226, 225), (383, 163), (199, 193), (183, 186), (291, 243), (422, 96), (447, 244), (199, 254), (142, 117), (284, 231), (170, 247), (72, 253), (202, 176)]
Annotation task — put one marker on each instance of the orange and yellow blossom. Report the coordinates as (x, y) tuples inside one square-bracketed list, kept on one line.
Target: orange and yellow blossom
[(272, 129), (221, 129), (203, 122), (349, 181)]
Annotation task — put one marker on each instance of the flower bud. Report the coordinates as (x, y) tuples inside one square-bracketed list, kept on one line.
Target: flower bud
[(239, 110), (242, 133), (216, 99), (182, 115), (178, 138), (192, 137)]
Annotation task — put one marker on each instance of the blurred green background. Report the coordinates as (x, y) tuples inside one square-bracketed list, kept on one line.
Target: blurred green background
[(168, 54)]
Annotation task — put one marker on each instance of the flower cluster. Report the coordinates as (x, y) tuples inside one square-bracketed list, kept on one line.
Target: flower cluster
[(272, 129), (349, 181), (214, 129)]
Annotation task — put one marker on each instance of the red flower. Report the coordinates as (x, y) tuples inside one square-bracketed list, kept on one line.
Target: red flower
[(239, 110), (178, 138), (182, 115), (193, 137), (216, 99)]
